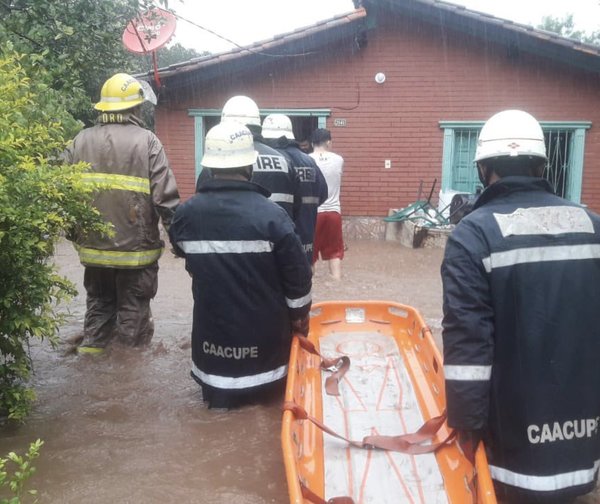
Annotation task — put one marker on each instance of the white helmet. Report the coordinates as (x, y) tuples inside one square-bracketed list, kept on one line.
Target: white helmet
[(228, 145), (276, 126), (241, 109), (511, 133)]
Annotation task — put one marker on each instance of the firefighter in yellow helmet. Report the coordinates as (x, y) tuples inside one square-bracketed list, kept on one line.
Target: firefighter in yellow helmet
[(136, 188)]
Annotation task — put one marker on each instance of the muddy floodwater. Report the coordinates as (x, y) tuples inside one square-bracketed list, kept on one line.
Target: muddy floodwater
[(130, 426)]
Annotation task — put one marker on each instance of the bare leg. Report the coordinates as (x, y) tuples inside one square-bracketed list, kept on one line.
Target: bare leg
[(335, 268)]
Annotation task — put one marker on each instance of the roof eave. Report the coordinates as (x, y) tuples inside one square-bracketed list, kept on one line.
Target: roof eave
[(494, 29), (300, 42)]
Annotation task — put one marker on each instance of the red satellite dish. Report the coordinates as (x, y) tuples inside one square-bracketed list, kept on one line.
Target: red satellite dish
[(149, 32)]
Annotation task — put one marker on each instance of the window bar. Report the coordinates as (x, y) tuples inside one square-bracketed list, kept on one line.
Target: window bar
[(565, 163)]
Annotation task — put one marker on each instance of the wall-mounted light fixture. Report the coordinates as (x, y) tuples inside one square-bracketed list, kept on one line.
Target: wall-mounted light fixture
[(380, 77)]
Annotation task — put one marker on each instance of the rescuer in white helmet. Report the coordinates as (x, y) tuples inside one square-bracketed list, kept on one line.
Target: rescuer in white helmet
[(278, 133), (251, 279), (136, 188), (520, 328), (272, 169)]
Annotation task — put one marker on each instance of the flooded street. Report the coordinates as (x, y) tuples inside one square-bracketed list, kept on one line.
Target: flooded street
[(130, 427)]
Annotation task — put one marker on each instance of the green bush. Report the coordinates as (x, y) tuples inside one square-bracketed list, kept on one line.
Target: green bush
[(15, 470), (40, 199)]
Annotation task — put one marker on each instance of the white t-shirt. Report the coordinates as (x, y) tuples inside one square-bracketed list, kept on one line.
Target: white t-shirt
[(332, 167)]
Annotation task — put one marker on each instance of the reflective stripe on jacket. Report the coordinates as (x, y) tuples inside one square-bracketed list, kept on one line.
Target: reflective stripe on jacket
[(521, 277), (312, 189), (136, 187), (273, 172), (134, 259)]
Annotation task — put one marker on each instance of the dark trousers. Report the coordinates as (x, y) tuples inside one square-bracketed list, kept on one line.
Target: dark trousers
[(118, 305), (231, 399)]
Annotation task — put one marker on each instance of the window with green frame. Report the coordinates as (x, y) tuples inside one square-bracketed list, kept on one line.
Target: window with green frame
[(204, 119), (565, 143)]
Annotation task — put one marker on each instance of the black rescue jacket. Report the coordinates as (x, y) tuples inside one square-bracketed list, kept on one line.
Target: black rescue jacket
[(273, 172), (250, 280), (313, 189), (521, 333)]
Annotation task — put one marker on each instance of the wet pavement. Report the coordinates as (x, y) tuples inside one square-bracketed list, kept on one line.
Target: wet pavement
[(130, 427)]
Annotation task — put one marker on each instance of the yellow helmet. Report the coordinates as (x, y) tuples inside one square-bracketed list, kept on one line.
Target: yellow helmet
[(120, 92)]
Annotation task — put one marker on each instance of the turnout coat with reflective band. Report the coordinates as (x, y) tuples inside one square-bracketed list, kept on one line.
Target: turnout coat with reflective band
[(313, 190), (521, 335), (137, 187), (273, 172), (250, 279)]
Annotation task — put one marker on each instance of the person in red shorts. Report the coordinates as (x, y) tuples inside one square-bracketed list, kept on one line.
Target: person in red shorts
[(328, 241)]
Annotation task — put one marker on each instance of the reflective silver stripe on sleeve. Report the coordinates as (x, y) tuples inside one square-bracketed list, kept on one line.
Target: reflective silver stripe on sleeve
[(468, 373), (541, 254), (310, 200), (225, 247), (545, 483), (282, 198), (240, 382), (551, 220), (299, 302)]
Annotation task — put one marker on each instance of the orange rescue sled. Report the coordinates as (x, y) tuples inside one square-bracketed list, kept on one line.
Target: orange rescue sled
[(395, 383)]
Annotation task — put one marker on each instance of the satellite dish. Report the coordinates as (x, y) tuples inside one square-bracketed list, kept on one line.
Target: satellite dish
[(149, 32)]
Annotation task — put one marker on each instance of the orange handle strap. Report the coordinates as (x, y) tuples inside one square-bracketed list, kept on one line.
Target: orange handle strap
[(307, 493), (338, 365), (404, 443)]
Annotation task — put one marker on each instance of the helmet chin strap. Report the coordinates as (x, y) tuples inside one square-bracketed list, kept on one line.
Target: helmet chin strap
[(485, 174)]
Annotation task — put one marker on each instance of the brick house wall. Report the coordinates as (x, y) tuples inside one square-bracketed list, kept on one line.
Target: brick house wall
[(432, 74)]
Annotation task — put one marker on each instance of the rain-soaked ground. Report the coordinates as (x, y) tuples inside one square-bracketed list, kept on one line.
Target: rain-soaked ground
[(130, 427)]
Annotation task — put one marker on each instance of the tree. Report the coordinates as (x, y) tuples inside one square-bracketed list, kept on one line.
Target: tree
[(165, 56), (565, 27), (40, 199), (177, 54), (80, 41)]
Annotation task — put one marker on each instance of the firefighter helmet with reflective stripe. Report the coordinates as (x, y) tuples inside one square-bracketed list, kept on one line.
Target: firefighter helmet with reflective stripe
[(241, 109), (511, 133), (276, 126), (120, 92), (228, 145)]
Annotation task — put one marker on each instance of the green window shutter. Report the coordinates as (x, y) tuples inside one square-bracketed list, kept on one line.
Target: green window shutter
[(447, 159), (199, 143), (575, 179), (464, 172)]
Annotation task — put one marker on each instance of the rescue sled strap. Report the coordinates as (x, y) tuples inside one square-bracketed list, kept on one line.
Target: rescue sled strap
[(404, 443), (337, 365), (308, 494)]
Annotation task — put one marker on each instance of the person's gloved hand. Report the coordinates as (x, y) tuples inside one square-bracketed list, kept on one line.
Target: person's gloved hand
[(468, 440), (301, 325)]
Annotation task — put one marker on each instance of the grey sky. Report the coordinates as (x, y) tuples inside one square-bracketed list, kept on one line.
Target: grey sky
[(245, 22)]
